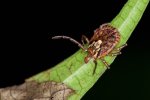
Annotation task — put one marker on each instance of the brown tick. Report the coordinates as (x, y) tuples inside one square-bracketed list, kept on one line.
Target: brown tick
[(103, 43)]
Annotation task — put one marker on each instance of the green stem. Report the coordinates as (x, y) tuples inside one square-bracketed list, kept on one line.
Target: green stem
[(75, 73)]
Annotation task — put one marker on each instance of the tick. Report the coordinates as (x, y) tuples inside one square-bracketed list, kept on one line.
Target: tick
[(103, 43)]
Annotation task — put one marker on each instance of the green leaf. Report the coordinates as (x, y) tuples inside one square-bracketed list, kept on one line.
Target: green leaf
[(75, 73)]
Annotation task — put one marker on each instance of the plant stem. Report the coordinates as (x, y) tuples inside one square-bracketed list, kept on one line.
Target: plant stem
[(75, 73)]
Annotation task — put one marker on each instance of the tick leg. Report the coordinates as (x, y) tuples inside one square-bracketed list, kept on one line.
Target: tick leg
[(71, 39), (95, 66), (114, 54), (121, 47), (116, 51), (106, 64), (84, 38)]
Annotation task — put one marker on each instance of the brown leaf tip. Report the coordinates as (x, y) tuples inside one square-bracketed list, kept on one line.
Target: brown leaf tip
[(32, 90)]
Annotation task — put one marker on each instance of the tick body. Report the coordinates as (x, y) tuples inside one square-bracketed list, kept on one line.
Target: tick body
[(104, 40), (102, 43)]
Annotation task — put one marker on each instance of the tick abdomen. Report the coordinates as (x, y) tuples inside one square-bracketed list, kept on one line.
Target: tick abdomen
[(109, 37)]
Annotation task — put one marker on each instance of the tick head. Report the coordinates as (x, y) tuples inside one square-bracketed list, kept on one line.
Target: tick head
[(87, 58), (93, 50)]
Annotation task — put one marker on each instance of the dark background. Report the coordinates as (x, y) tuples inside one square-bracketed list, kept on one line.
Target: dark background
[(26, 49)]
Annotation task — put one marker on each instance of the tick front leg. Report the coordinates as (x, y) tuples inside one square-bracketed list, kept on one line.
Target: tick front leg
[(84, 39), (71, 39)]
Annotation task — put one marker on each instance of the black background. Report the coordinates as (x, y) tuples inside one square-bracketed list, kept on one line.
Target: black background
[(27, 50)]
